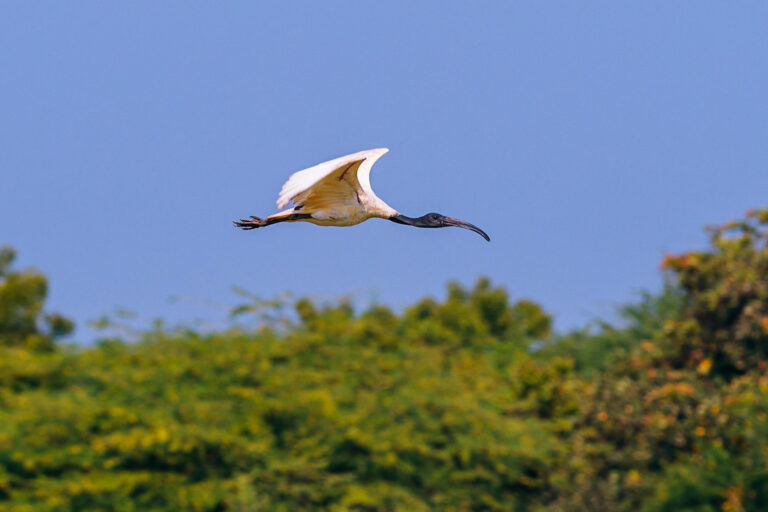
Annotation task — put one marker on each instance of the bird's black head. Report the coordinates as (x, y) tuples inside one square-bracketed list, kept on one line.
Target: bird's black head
[(432, 220), (436, 220)]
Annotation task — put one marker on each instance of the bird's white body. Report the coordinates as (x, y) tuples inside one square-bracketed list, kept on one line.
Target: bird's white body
[(338, 193), (334, 193)]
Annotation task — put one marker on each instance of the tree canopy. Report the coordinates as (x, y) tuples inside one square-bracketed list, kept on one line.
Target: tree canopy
[(470, 403)]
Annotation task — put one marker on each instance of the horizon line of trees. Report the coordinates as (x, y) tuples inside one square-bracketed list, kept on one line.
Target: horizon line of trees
[(471, 403)]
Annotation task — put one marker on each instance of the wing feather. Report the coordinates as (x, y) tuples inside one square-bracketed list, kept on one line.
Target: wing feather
[(300, 183), (364, 172)]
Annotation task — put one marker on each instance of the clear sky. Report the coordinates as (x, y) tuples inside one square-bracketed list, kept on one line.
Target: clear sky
[(587, 138)]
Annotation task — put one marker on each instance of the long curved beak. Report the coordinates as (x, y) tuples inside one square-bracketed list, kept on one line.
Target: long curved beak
[(449, 221)]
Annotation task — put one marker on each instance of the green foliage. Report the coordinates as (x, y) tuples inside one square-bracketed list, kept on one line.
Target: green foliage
[(427, 410), (726, 288), (597, 347), (22, 321), (680, 422), (465, 404)]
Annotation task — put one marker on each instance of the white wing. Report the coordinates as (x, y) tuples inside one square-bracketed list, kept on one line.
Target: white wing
[(302, 181)]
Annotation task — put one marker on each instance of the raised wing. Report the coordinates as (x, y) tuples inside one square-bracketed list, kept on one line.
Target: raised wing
[(321, 180), (364, 172)]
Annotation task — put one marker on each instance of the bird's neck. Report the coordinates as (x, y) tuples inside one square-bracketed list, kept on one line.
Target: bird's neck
[(408, 221)]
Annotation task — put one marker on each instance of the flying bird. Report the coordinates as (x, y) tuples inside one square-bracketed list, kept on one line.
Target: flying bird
[(338, 193)]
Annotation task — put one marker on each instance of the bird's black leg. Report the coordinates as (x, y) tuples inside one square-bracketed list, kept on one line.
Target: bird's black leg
[(257, 222), (252, 223)]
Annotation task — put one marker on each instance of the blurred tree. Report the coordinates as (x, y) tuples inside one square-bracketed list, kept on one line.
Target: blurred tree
[(22, 321), (724, 331), (482, 316), (678, 420), (603, 343), (467, 404)]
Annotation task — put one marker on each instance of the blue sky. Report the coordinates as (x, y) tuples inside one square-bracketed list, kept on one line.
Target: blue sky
[(588, 139)]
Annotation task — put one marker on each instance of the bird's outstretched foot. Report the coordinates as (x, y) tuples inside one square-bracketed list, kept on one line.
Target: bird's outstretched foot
[(253, 223)]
